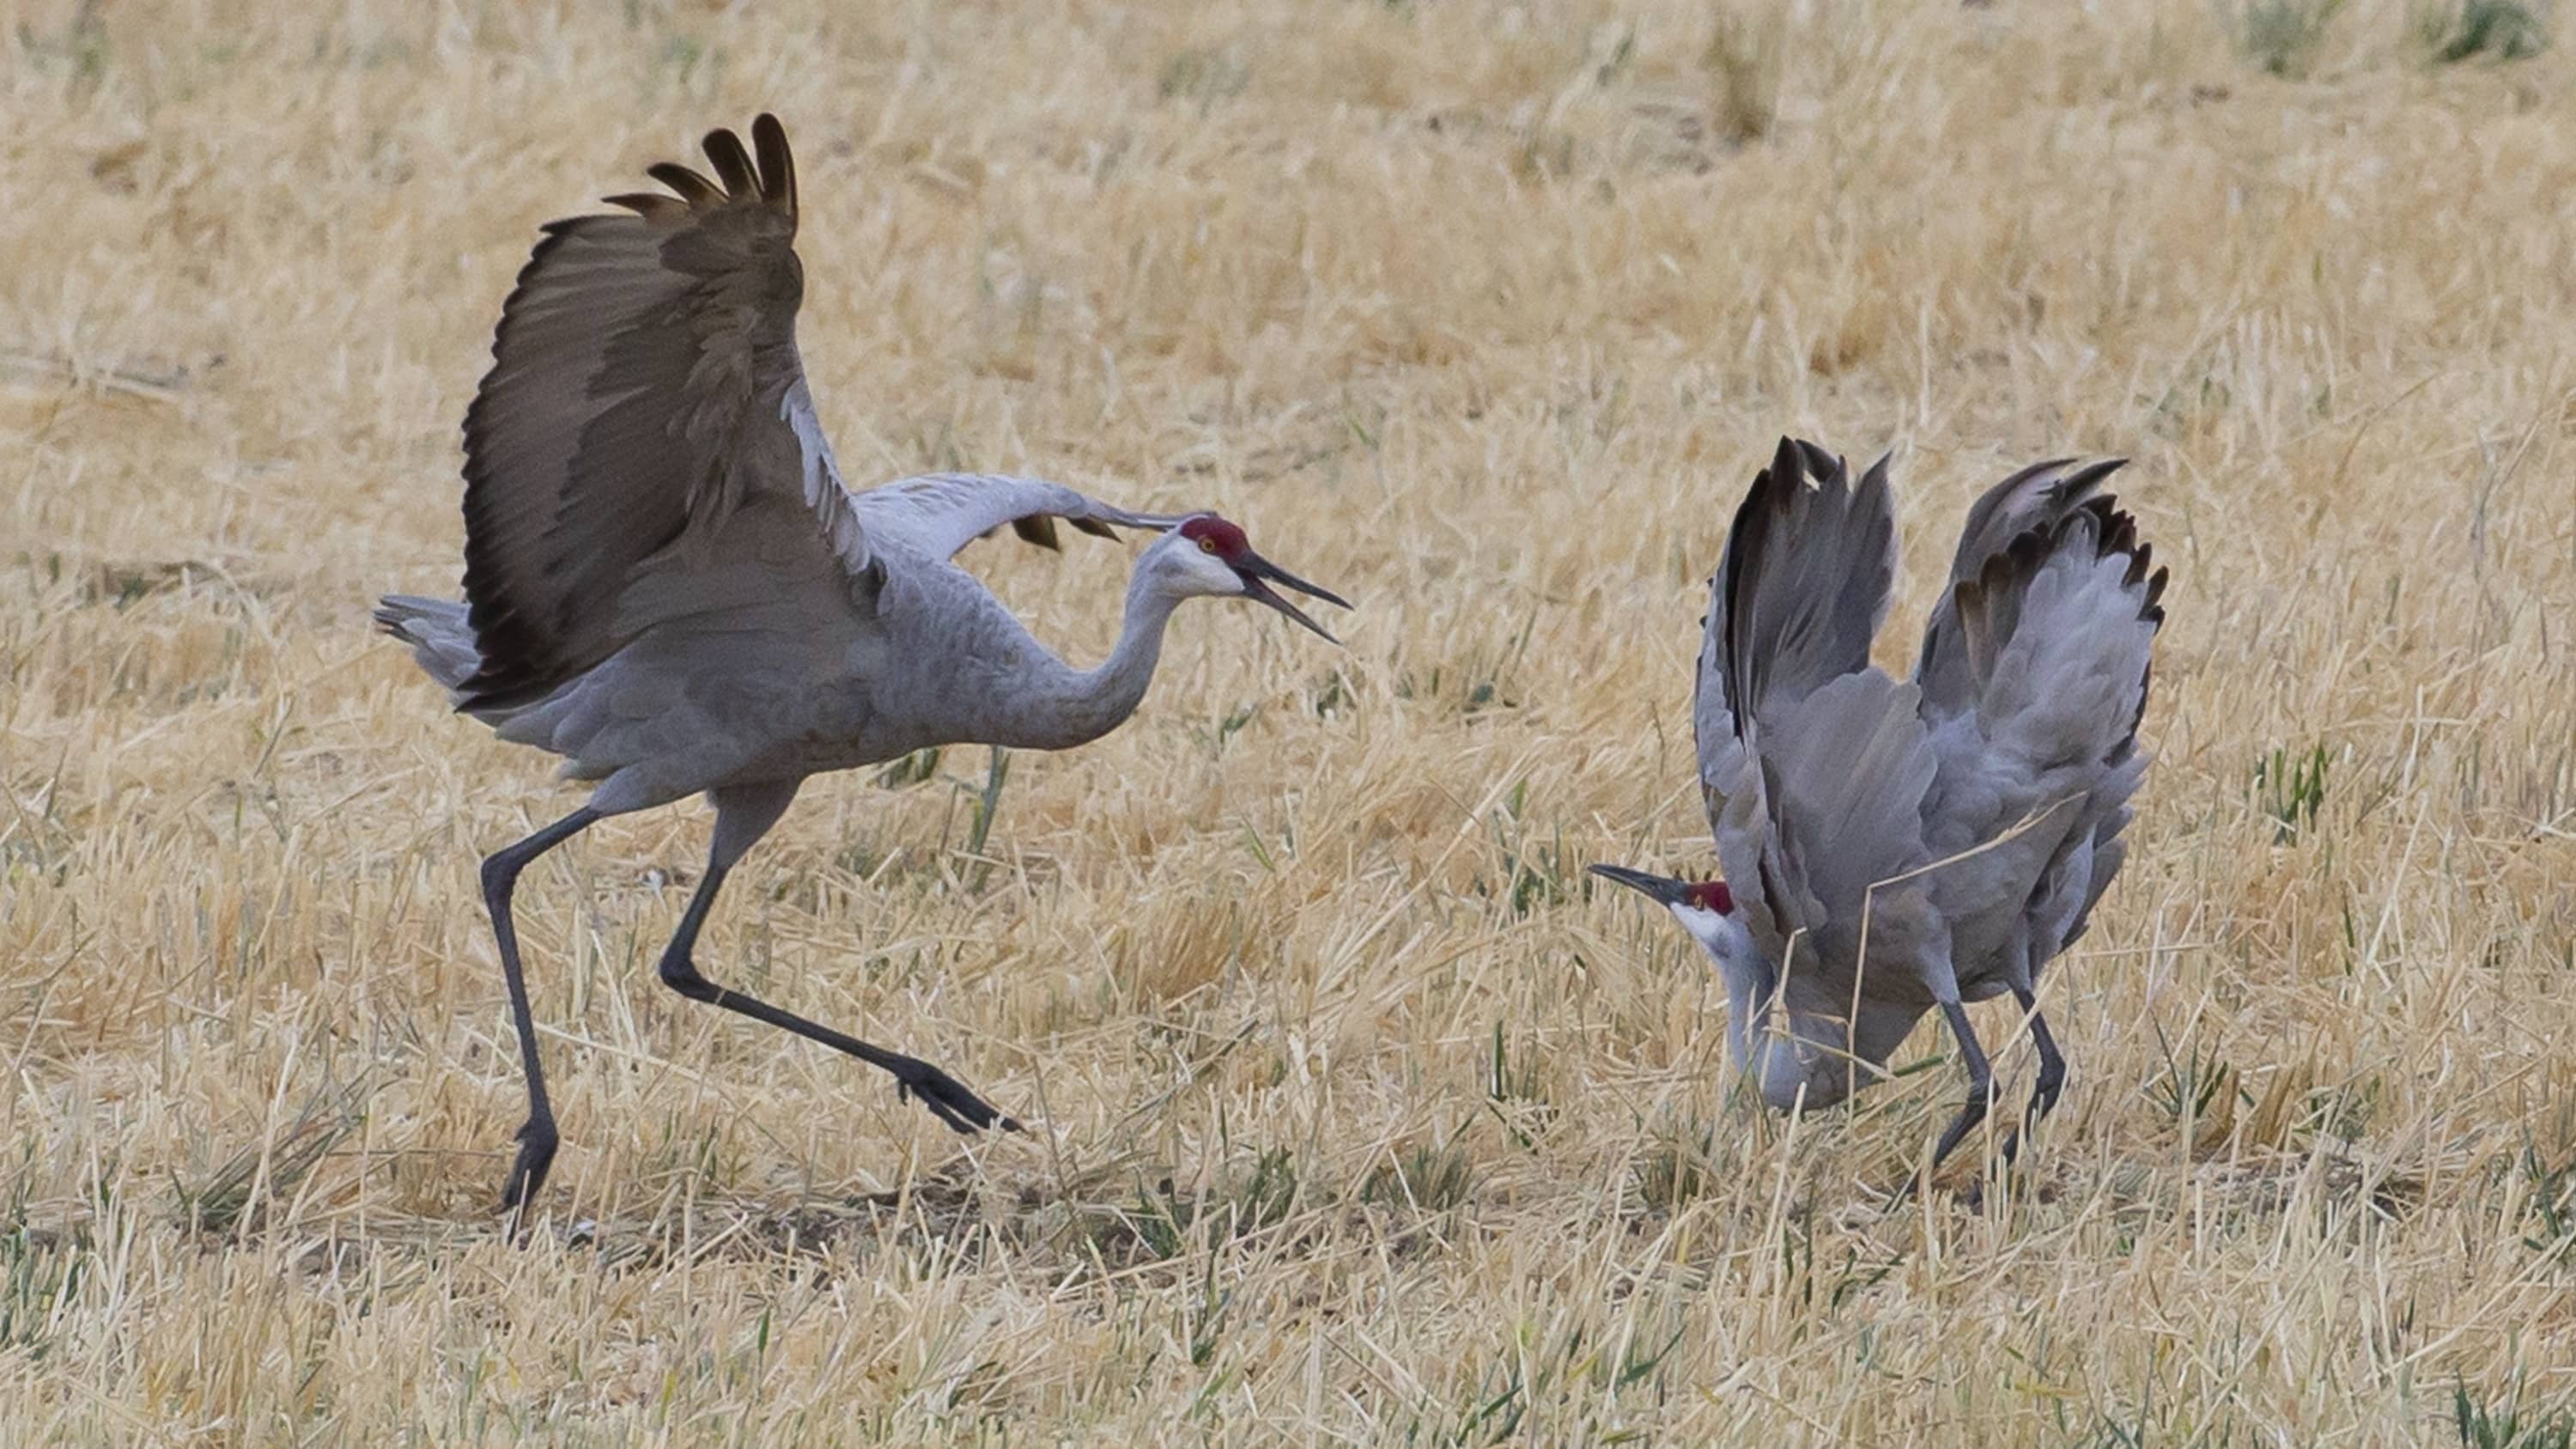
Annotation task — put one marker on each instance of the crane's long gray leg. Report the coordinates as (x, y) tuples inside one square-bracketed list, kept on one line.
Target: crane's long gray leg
[(1981, 1082), (2052, 1073), (744, 813), (537, 1138)]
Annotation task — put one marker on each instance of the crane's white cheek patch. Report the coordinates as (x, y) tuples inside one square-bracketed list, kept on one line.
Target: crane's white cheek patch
[(1207, 575), (1705, 924)]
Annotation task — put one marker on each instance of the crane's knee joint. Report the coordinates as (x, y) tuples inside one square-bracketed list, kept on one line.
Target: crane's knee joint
[(681, 975), (1981, 1097), (500, 872)]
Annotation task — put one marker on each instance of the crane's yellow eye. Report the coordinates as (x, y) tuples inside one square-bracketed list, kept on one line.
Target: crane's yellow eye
[(1207, 545)]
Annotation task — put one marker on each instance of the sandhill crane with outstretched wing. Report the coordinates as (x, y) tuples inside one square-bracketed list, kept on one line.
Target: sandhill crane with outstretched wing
[(668, 585), (1891, 847)]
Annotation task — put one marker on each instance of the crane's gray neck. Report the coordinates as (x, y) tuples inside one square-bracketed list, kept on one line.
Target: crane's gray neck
[(1812, 1055), (1804, 1061), (1065, 707), (1753, 1043)]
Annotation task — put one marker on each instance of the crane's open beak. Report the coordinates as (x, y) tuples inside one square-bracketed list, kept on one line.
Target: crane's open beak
[(1663, 889), (1253, 569)]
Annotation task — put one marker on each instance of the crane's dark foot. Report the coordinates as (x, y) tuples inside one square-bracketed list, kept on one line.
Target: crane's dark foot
[(537, 1142), (2043, 1099), (1971, 1116), (947, 1098)]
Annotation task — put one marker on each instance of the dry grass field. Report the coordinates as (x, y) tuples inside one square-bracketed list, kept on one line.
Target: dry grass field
[(1357, 1113)]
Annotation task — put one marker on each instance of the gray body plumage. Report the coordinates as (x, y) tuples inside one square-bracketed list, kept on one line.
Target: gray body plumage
[(721, 685), (1895, 846)]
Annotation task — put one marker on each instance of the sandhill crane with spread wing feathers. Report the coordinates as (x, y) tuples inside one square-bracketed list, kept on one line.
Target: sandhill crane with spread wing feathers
[(667, 583), (1892, 847)]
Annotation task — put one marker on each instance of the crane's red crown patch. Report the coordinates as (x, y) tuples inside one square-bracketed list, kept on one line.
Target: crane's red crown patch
[(1215, 535), (1711, 895)]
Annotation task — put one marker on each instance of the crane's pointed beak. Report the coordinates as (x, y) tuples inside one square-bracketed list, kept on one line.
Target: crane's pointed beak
[(1664, 890), (1254, 569)]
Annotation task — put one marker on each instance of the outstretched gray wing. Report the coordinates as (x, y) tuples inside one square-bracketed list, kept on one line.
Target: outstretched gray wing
[(1802, 590), (2038, 749), (2035, 499), (1813, 763), (939, 513), (646, 401)]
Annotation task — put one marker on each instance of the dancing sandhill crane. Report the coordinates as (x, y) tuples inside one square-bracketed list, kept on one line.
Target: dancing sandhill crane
[(1890, 847), (668, 585)]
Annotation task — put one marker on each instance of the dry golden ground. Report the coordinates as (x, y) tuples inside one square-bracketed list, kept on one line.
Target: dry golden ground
[(1356, 1114)]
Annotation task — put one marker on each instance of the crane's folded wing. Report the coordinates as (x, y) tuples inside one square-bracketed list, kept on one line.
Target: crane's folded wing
[(937, 514), (1845, 769)]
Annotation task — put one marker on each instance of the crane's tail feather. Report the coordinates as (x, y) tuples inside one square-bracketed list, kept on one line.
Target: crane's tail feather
[(439, 636)]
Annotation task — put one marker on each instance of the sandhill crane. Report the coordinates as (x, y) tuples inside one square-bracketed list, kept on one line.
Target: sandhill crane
[(667, 583), (1893, 847)]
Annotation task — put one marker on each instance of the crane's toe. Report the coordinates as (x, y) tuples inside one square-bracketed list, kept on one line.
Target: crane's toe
[(949, 1100), (537, 1141)]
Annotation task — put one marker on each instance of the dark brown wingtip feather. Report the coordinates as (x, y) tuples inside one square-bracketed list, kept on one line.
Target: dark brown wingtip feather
[(500, 692), (2138, 716), (2084, 480), (1094, 527), (2004, 579), (733, 164), (2114, 532), (1037, 528), (1769, 498), (2117, 529), (2023, 475), (1788, 469), (1824, 467), (694, 189), (650, 205), (777, 163), (2140, 556)]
